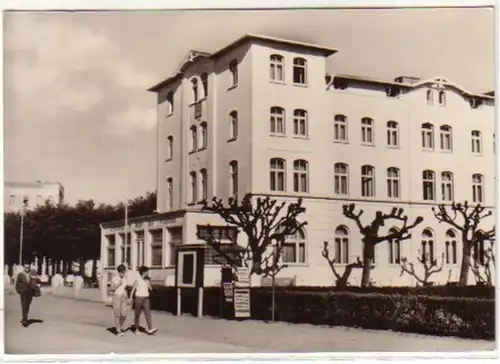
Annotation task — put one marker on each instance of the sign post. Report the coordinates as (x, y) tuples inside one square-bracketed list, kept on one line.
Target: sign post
[(242, 293)]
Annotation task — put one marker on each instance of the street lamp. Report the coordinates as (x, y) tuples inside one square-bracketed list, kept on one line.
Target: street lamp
[(23, 212)]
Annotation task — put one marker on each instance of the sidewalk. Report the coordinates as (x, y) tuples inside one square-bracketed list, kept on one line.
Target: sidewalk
[(74, 326)]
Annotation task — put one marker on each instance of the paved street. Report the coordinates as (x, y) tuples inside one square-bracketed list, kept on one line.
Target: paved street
[(78, 327)]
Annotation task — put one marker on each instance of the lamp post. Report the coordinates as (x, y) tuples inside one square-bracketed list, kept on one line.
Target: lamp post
[(21, 235)]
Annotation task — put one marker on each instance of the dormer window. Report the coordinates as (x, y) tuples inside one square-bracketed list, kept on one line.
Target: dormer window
[(442, 98), (194, 85), (430, 97), (392, 91), (204, 82), (339, 84), (233, 68)]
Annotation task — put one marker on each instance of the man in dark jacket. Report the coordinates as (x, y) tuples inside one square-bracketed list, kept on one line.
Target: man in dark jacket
[(25, 286)]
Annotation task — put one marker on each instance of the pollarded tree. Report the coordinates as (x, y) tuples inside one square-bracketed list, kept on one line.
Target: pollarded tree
[(466, 219), (430, 267), (371, 233), (266, 224), (340, 280)]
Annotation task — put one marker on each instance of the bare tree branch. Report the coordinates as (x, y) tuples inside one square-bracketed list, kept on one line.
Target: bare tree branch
[(430, 266), (341, 280)]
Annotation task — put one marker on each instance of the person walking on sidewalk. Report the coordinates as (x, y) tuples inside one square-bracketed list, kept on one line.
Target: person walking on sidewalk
[(140, 295), (27, 287), (121, 302)]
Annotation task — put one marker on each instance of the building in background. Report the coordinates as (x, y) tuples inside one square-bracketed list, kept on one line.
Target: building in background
[(263, 116), (33, 194)]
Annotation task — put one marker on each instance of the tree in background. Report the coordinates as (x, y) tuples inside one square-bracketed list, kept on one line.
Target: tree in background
[(65, 234), (429, 264), (371, 233), (467, 220)]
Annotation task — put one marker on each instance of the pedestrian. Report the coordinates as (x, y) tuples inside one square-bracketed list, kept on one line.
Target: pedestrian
[(121, 302), (140, 294), (27, 285)]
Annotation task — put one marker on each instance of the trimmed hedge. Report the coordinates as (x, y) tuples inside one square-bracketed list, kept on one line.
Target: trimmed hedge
[(467, 317)]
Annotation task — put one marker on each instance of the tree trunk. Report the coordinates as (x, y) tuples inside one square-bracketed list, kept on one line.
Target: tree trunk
[(368, 250), (94, 269), (82, 267), (465, 267)]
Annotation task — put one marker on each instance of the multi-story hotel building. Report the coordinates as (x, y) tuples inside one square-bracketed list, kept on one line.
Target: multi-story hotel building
[(263, 116), (29, 195)]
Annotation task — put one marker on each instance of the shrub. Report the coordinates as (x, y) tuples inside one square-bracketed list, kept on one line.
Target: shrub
[(412, 311)]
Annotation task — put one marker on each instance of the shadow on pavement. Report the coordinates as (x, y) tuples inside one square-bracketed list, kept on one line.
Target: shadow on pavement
[(33, 321)]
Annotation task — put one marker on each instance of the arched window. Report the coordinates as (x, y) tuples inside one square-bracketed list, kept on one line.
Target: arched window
[(342, 245), (170, 193), (204, 184), (193, 187), (446, 138), (204, 135), (392, 134), (233, 69), (367, 131), (428, 185), (204, 82), (299, 71), (393, 184), (194, 139), (427, 245), (341, 179), (451, 255), (294, 248), (430, 97), (300, 123), (367, 181), (300, 176), (276, 68), (233, 125), (394, 246), (233, 179), (194, 85), (447, 186), (427, 136), (340, 128), (442, 98), (277, 121), (478, 252), (170, 147), (277, 174), (170, 103), (477, 188)]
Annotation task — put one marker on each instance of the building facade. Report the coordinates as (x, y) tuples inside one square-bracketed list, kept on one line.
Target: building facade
[(19, 195), (263, 116)]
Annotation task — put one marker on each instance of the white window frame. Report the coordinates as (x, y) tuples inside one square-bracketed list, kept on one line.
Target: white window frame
[(446, 138), (341, 178), (447, 188), (277, 65), (340, 128), (393, 183), (368, 181), (300, 63), (367, 131), (428, 185), (476, 142), (275, 173), (427, 130), (392, 134), (277, 119), (300, 123), (300, 176), (477, 188)]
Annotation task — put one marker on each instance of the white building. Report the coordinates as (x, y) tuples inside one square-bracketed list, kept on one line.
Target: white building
[(259, 116), (31, 194)]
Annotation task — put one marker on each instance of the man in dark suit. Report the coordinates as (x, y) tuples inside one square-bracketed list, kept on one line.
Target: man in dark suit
[(26, 285)]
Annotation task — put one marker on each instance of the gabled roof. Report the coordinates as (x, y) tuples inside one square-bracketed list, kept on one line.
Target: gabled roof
[(193, 55), (440, 79)]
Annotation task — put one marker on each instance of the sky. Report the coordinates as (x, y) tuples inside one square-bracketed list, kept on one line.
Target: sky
[(76, 105)]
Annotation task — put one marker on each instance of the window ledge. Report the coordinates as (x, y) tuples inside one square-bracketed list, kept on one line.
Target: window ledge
[(169, 115), (477, 154), (169, 160), (232, 139), (299, 84), (277, 82), (202, 148), (446, 151), (193, 152), (341, 141), (276, 135), (393, 147), (429, 150), (301, 137), (367, 144), (232, 87)]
